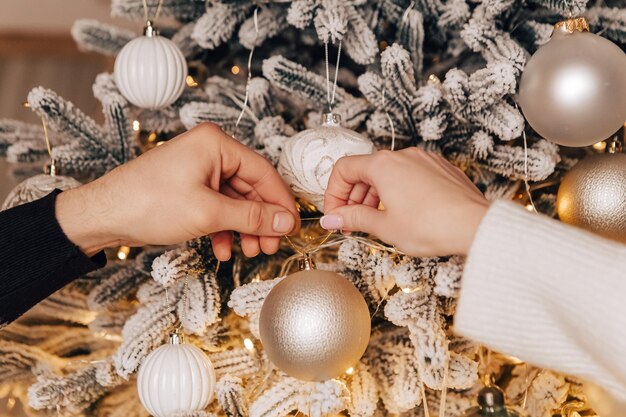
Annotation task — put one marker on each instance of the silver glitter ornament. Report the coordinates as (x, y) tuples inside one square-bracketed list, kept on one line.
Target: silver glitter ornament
[(592, 195), (573, 89), (314, 324), (36, 187)]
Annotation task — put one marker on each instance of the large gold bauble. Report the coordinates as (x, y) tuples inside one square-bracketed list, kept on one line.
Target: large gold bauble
[(36, 187), (602, 403), (314, 325), (592, 195), (573, 89)]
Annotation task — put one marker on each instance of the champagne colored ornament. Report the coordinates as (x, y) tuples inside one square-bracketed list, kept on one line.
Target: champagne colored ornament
[(314, 324), (174, 378), (573, 89), (150, 70), (307, 158), (603, 403), (592, 195), (490, 404), (37, 187)]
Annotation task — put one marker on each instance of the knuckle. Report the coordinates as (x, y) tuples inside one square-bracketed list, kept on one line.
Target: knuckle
[(255, 216)]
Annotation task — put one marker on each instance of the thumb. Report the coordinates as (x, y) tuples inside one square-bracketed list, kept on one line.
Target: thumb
[(354, 218), (255, 217)]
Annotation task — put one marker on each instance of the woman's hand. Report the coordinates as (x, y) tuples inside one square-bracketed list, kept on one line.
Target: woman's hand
[(430, 207), (200, 183)]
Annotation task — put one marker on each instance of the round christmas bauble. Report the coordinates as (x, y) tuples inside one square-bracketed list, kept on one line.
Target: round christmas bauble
[(573, 89), (150, 70), (307, 158), (174, 378), (37, 187), (602, 403), (592, 195), (314, 325)]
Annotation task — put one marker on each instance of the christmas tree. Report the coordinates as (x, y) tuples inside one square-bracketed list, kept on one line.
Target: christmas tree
[(440, 75)]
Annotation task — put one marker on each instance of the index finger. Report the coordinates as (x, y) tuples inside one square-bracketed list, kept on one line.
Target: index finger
[(347, 172)]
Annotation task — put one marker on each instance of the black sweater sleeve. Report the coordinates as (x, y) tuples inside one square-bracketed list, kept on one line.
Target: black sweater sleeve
[(36, 257)]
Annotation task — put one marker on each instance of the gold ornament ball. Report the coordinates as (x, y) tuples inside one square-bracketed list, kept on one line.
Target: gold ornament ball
[(603, 403), (314, 325), (37, 187), (573, 89), (592, 195)]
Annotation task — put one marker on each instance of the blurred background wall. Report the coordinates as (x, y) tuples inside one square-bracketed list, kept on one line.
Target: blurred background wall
[(36, 48)]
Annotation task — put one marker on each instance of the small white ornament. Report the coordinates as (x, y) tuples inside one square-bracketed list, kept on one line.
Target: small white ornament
[(174, 378), (150, 70), (36, 187), (307, 159)]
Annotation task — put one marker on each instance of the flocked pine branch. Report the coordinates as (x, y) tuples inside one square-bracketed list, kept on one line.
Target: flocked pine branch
[(91, 35)]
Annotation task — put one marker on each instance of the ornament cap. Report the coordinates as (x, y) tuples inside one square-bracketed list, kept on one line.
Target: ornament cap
[(571, 25), (149, 30), (50, 168), (176, 338), (306, 263), (491, 399), (615, 146), (331, 119)]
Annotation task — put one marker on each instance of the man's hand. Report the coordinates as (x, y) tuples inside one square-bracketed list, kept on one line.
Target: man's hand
[(200, 183), (431, 207)]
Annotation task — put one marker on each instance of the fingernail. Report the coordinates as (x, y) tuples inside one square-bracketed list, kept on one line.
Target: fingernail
[(331, 222), (283, 222)]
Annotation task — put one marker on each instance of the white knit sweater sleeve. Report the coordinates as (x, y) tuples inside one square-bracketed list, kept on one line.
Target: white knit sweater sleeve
[(550, 294)]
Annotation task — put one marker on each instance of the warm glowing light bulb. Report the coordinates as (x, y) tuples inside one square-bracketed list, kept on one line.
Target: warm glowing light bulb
[(136, 125), (599, 146), (350, 371), (190, 81), (248, 344), (123, 252), (152, 137), (406, 290), (529, 207), (235, 69)]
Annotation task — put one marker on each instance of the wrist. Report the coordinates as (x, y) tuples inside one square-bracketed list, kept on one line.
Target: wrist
[(473, 215), (82, 222)]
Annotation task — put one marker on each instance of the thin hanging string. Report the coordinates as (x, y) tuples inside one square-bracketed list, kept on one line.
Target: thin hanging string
[(526, 183), (330, 97), (256, 37), (156, 14), (389, 119), (444, 388)]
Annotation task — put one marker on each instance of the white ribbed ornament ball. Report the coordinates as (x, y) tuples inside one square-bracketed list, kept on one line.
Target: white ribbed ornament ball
[(176, 377), (307, 158), (150, 70)]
